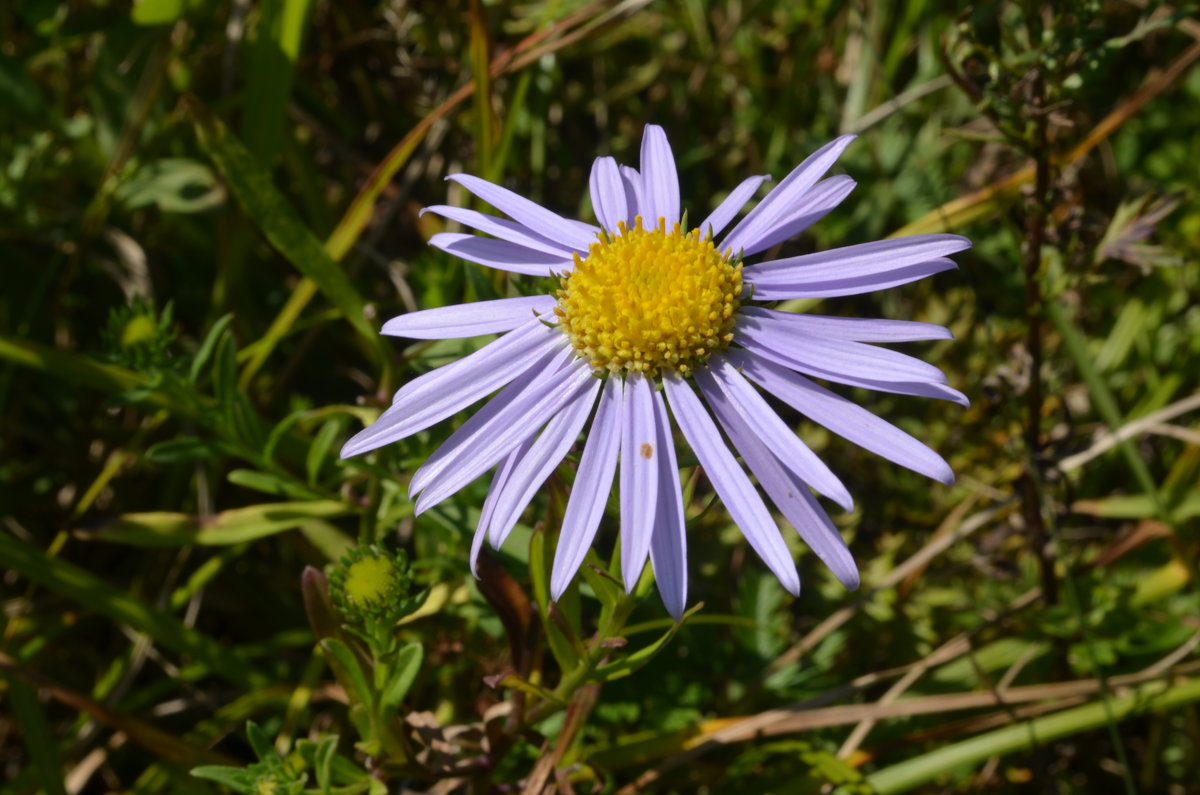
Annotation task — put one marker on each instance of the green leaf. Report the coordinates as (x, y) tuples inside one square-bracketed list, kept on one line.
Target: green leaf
[(259, 741), (205, 351), (320, 448), (162, 12), (272, 67), (406, 666), (348, 671), (330, 768), (511, 680), (75, 368), (332, 542), (605, 588), (252, 186), (275, 485), (1105, 402), (539, 573), (627, 665), (1137, 506), (174, 185), (237, 779), (224, 377), (235, 526), (323, 762), (177, 451), (39, 740), (966, 672)]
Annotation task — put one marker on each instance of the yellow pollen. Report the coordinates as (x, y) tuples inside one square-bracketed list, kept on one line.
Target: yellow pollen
[(648, 300)]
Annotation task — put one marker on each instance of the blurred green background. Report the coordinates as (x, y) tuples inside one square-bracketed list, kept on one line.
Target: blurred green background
[(208, 208)]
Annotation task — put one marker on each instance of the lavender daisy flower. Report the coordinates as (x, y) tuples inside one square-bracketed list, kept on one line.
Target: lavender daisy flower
[(647, 308)]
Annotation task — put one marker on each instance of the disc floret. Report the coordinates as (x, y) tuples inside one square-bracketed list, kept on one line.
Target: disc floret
[(649, 300)]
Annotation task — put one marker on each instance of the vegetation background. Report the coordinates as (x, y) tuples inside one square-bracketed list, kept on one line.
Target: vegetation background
[(207, 209)]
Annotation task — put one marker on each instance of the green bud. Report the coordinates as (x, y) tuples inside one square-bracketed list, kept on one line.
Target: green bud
[(372, 588)]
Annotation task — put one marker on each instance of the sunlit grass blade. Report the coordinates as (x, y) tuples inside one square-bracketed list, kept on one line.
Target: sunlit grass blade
[(485, 123), (923, 769), (234, 526), (81, 370)]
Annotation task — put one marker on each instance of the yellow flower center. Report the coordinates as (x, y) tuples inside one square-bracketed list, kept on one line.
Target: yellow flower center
[(650, 300), (368, 581)]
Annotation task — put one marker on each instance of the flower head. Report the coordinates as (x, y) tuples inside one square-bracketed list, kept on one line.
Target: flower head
[(650, 314), (372, 589)]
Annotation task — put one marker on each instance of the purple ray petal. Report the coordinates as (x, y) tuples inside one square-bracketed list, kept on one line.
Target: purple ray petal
[(608, 194), (855, 329), (730, 482), (827, 357), (517, 412), (500, 254), (867, 265), (489, 505), (813, 206), (935, 391), (660, 182), (668, 545), (496, 443), (781, 291), (502, 228), (719, 218), (531, 214), (779, 203), (639, 477), (634, 202), (545, 454), (843, 417), (878, 256), (916, 389), (585, 507), (791, 497), (513, 399), (722, 384), (438, 394), (469, 320)]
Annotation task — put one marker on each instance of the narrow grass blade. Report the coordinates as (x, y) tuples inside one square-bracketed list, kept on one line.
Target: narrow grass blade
[(161, 744), (39, 741), (914, 773), (251, 184), (87, 589), (234, 526), (273, 57)]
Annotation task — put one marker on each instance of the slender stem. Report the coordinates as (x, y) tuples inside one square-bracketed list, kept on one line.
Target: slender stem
[(1031, 485), (576, 678)]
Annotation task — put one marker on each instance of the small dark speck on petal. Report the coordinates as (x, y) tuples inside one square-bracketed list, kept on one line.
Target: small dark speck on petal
[(647, 450)]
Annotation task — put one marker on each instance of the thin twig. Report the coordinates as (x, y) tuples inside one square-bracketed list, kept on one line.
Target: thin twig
[(1107, 441)]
